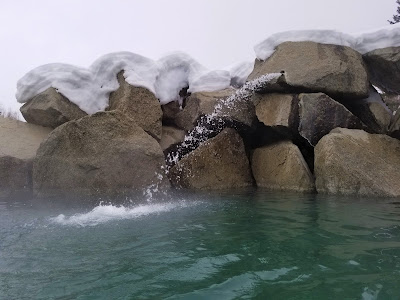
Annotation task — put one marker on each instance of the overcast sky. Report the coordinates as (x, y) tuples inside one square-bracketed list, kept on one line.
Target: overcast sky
[(217, 33)]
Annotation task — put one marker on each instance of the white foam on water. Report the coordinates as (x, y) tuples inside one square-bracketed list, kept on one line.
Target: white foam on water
[(107, 212)]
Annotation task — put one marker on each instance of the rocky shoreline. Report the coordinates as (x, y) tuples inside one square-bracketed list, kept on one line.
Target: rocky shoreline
[(308, 119)]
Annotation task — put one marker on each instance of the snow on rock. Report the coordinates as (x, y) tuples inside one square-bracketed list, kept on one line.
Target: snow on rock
[(90, 88), (388, 36), (239, 73)]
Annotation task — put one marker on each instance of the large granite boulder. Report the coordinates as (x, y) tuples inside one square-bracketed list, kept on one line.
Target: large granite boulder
[(384, 68), (337, 71), (140, 104), (319, 114), (19, 142), (281, 166), (200, 104), (218, 163), (106, 153), (50, 109), (372, 111), (353, 162), (309, 115)]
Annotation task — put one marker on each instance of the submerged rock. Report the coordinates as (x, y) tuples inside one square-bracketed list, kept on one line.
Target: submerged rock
[(281, 166), (50, 109), (106, 153), (18, 146), (353, 162), (140, 104), (218, 163), (338, 71)]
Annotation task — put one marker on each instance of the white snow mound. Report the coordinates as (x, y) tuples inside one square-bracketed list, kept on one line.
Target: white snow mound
[(90, 88), (364, 42)]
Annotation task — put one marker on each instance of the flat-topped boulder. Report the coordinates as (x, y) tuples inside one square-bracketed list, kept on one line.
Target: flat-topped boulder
[(50, 109), (337, 71), (105, 153), (354, 162), (138, 103), (218, 163), (281, 166), (19, 142)]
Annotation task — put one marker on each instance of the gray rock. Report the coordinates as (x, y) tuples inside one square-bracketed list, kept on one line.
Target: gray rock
[(337, 71), (200, 104), (281, 166), (392, 101), (170, 110), (384, 68), (106, 153), (171, 136), (276, 109), (319, 114), (50, 109), (372, 111), (394, 128), (19, 142), (218, 163), (140, 104), (353, 162)]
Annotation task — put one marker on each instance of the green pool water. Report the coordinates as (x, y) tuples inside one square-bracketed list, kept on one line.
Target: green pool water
[(250, 245)]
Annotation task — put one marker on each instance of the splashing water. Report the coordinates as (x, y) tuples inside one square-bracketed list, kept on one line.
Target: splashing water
[(105, 213), (210, 125)]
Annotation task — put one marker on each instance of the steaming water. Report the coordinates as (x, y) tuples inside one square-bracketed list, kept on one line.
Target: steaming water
[(254, 245)]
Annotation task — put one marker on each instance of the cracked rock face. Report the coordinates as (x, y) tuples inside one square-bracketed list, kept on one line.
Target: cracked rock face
[(105, 153), (353, 162)]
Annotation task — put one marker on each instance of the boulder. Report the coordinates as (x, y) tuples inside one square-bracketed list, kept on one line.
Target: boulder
[(309, 116), (105, 153), (200, 104), (277, 110), (170, 110), (50, 109), (19, 142), (338, 71), (392, 101), (372, 111), (218, 163), (281, 166), (138, 103), (384, 68), (171, 136), (353, 162), (394, 128), (319, 114)]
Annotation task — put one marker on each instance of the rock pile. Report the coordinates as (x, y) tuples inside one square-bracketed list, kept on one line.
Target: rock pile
[(315, 125)]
